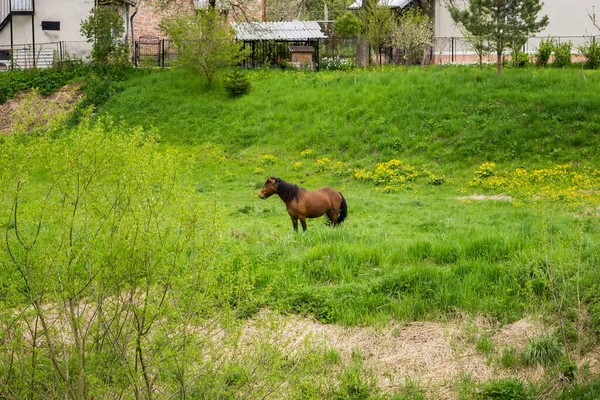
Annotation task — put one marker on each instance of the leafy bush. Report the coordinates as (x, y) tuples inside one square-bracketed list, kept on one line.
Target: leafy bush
[(520, 59), (47, 81), (336, 64), (503, 389), (545, 51), (347, 25), (591, 51), (237, 83), (562, 54), (544, 350)]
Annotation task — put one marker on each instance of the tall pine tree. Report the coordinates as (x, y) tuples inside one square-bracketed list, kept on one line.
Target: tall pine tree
[(503, 23)]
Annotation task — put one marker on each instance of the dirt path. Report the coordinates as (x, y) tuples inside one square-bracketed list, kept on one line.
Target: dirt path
[(29, 110), (435, 355)]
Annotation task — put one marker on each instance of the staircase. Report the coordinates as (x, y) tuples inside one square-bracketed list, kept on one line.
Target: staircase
[(8, 8)]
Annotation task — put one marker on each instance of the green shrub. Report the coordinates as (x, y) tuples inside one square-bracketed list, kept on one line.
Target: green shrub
[(562, 54), (520, 59), (47, 81), (237, 83), (545, 51), (591, 51), (503, 389), (544, 350)]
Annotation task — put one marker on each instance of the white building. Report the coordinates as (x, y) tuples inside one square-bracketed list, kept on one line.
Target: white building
[(36, 33)]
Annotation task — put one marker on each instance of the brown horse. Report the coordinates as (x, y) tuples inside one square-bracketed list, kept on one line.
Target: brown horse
[(302, 204)]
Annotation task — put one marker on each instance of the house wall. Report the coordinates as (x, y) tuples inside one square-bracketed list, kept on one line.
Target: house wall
[(68, 12), (148, 18)]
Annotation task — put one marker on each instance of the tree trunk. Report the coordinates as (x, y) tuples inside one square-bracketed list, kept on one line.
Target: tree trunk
[(362, 53), (499, 61)]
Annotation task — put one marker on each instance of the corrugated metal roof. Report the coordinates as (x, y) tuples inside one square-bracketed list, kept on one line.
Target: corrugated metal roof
[(389, 3), (289, 30)]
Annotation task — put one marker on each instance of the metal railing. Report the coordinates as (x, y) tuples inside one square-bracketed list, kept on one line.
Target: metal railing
[(45, 55), (4, 11)]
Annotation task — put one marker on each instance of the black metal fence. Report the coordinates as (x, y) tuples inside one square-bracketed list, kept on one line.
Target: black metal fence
[(275, 53), (151, 51)]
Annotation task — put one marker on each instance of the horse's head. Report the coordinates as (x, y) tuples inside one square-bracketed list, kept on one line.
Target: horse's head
[(269, 188)]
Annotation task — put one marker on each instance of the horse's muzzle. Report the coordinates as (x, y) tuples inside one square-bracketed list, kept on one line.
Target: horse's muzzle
[(262, 196)]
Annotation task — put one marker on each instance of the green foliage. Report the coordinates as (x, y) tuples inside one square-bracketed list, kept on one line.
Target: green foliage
[(581, 391), (503, 27), (356, 383), (520, 59), (413, 35), (503, 389), (591, 52), (104, 28), (543, 350), (563, 54), (348, 25), (237, 83), (509, 358), (545, 51), (376, 24), (204, 42), (485, 345), (47, 81)]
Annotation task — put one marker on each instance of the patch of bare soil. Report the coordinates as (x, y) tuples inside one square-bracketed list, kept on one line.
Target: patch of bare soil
[(29, 110), (435, 355), (481, 197)]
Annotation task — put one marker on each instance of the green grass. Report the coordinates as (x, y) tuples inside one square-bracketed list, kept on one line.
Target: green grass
[(417, 254), (182, 214), (455, 115)]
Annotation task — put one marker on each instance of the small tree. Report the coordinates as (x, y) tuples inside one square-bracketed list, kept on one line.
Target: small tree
[(347, 25), (376, 25), (413, 34), (591, 49), (204, 42), (104, 28), (503, 23)]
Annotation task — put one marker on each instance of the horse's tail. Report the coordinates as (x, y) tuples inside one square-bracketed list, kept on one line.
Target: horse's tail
[(343, 210)]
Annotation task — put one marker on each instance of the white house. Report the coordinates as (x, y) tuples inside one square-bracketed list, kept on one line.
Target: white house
[(37, 33)]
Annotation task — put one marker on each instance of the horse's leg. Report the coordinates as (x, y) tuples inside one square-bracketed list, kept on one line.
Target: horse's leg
[(295, 223), (303, 222), (333, 216)]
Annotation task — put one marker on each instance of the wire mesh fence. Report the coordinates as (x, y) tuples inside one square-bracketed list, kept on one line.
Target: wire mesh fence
[(154, 52)]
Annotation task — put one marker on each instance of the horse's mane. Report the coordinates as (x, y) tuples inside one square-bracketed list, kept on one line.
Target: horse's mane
[(287, 191)]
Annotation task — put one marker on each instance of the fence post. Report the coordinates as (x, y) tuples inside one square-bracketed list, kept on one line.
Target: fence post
[(162, 52)]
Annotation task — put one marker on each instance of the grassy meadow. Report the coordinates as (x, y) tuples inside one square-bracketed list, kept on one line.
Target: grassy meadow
[(137, 235)]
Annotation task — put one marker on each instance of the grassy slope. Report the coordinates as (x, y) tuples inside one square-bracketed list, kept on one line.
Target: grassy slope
[(446, 114), (411, 255)]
